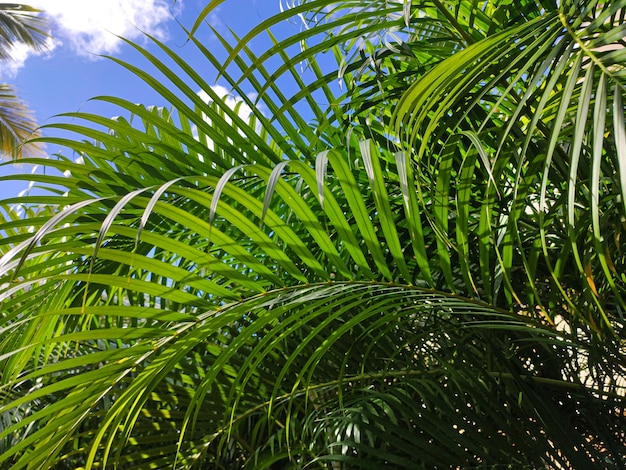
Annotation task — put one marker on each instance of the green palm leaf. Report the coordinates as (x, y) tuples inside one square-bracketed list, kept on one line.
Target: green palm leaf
[(19, 24), (424, 271)]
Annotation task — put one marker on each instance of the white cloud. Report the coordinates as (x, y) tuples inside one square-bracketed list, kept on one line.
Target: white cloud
[(19, 54), (91, 27), (231, 100), (214, 19)]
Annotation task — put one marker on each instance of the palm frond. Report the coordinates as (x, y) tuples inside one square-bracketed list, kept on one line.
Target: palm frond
[(414, 259), (21, 24), (17, 125)]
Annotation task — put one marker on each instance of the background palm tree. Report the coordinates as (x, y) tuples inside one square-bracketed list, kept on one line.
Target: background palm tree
[(414, 260), (19, 24)]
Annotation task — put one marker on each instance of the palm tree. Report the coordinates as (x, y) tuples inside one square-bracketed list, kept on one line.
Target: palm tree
[(19, 24), (414, 260)]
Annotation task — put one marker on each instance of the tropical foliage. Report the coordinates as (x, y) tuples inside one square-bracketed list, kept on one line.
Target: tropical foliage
[(19, 25), (408, 254)]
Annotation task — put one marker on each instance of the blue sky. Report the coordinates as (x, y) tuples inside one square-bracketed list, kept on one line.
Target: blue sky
[(71, 72)]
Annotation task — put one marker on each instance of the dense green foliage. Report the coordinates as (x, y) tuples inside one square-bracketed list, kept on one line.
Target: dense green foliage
[(415, 259)]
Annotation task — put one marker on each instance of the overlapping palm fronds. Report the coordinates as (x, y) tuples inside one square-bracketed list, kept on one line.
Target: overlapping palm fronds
[(413, 259), (19, 25)]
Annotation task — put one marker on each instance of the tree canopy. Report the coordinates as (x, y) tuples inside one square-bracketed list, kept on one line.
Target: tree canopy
[(19, 25), (408, 253)]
